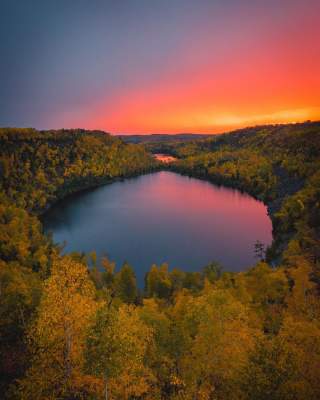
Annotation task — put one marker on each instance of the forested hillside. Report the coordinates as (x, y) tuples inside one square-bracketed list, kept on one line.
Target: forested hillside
[(277, 164), (72, 332), (158, 137), (37, 168)]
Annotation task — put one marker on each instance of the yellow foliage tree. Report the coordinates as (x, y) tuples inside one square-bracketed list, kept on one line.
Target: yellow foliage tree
[(219, 346), (57, 336), (115, 353)]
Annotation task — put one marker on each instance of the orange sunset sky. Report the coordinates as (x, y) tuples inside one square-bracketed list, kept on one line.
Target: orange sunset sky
[(168, 67)]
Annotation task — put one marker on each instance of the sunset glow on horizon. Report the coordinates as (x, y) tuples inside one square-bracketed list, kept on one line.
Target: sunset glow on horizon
[(146, 67)]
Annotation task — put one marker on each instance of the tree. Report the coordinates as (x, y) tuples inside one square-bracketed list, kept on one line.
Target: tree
[(193, 281), (259, 250), (212, 271), (93, 259), (218, 337), (302, 338), (158, 282), (115, 350), (108, 274), (101, 358), (20, 290), (58, 334), (126, 284), (177, 278), (271, 367)]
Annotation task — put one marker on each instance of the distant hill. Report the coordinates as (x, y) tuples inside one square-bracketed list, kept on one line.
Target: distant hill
[(228, 137), (162, 137)]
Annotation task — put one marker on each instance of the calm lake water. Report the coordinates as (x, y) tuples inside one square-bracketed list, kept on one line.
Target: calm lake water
[(165, 158), (162, 217)]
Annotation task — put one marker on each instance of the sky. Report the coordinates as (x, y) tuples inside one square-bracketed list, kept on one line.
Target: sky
[(158, 66)]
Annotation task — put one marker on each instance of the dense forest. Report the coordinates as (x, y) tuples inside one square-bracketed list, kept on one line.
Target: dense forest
[(74, 327), (278, 164)]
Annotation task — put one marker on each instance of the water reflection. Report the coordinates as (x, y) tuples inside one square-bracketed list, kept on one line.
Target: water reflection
[(162, 217)]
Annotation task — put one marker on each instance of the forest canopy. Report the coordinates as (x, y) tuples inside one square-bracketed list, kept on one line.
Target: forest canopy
[(74, 327)]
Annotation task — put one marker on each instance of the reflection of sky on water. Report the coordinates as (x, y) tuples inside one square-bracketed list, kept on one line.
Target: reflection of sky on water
[(162, 217)]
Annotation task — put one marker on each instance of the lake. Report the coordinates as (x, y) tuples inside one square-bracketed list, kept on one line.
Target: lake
[(165, 158), (162, 217)]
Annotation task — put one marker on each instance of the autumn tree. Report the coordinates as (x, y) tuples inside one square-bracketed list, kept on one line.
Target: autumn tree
[(212, 271), (158, 281), (58, 334), (20, 290), (115, 353), (125, 284), (108, 273), (218, 337), (270, 369)]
